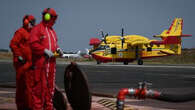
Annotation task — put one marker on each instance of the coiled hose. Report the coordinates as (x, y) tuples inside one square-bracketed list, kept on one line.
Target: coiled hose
[(176, 98)]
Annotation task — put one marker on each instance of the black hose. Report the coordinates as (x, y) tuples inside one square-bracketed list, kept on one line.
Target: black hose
[(176, 98)]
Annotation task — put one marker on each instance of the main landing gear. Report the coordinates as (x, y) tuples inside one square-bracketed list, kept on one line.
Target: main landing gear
[(140, 61), (137, 56), (125, 62), (98, 62)]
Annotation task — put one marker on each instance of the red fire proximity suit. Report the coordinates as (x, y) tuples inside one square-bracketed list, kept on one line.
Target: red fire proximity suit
[(21, 48), (43, 37)]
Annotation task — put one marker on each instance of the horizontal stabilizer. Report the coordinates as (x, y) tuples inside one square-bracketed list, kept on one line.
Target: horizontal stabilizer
[(183, 35), (186, 35)]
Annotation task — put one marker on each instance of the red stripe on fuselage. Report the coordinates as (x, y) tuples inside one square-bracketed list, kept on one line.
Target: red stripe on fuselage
[(109, 59)]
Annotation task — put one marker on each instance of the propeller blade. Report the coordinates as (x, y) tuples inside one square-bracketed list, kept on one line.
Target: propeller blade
[(106, 35), (122, 35), (102, 34), (105, 38)]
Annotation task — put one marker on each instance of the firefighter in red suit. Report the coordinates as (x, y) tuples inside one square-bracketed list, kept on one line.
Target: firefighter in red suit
[(43, 43), (22, 60)]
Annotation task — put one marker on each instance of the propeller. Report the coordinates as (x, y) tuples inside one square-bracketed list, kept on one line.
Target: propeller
[(122, 37), (104, 37)]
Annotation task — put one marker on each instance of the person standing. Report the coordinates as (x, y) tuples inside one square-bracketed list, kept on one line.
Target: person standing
[(43, 42), (22, 61)]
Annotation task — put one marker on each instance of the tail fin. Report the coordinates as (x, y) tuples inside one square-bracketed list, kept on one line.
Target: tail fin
[(174, 30), (176, 27), (87, 51), (79, 52), (172, 37)]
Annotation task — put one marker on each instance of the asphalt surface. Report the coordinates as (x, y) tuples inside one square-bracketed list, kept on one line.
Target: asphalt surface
[(109, 78)]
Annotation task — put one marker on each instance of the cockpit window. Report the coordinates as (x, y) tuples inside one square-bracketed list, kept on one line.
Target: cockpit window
[(102, 47), (106, 46)]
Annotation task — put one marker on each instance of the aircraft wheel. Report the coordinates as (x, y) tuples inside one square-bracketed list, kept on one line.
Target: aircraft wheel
[(140, 62), (125, 62), (98, 62)]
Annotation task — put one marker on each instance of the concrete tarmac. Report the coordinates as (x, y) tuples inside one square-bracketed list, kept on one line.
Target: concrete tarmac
[(109, 78)]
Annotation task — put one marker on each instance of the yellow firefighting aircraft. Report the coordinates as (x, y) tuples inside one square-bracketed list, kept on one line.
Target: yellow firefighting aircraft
[(128, 48)]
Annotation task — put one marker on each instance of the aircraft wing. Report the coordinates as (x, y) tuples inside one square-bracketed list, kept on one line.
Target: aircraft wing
[(111, 39), (135, 40)]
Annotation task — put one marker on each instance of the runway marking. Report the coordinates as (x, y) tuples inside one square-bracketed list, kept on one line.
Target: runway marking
[(188, 76), (6, 92), (148, 66), (193, 76), (111, 104), (108, 103), (134, 65)]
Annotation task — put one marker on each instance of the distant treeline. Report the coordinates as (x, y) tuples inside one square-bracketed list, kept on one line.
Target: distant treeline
[(188, 49), (4, 50), (187, 57)]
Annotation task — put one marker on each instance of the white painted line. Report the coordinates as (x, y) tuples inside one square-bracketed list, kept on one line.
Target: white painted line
[(131, 65), (150, 66), (188, 76), (6, 92)]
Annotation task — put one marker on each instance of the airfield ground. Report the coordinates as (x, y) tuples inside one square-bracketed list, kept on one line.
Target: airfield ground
[(173, 74), (109, 78)]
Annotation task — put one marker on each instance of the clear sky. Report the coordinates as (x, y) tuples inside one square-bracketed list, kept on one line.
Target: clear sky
[(79, 20)]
